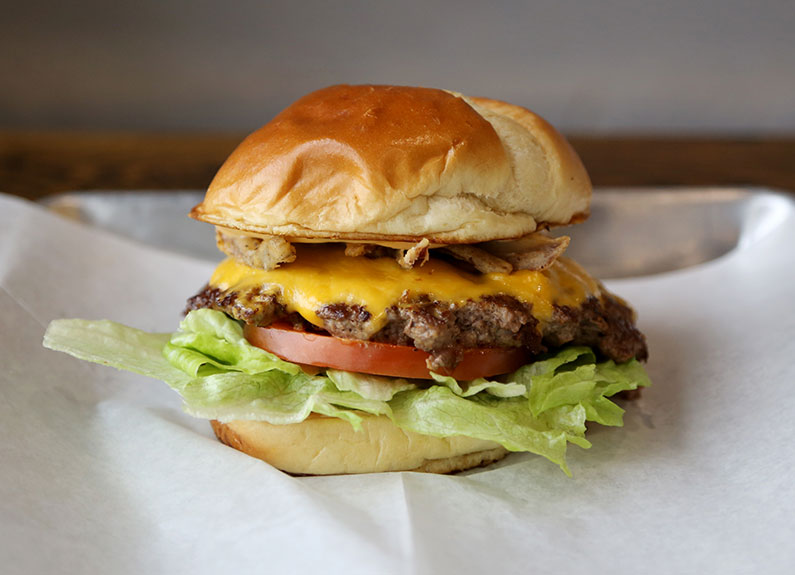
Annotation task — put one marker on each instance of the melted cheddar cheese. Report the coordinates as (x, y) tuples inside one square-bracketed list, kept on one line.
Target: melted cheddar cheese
[(322, 274)]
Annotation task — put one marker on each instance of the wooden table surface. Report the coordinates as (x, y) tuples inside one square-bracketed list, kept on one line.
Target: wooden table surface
[(37, 164)]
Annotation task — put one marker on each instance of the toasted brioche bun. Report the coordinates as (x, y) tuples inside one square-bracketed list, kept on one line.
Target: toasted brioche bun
[(386, 163), (330, 446)]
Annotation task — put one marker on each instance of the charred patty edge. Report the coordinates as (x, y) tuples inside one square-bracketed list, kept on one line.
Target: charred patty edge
[(445, 330)]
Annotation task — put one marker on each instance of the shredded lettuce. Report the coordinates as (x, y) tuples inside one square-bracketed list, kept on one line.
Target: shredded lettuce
[(540, 408)]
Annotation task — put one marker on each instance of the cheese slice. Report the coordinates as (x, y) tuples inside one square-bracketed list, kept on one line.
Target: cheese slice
[(322, 274)]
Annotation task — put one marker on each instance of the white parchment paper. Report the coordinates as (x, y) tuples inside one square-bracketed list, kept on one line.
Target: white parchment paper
[(101, 472)]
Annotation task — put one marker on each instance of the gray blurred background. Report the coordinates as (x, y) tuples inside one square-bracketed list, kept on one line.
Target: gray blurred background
[(718, 66)]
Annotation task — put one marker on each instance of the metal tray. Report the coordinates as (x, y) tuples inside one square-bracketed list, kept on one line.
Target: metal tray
[(631, 231)]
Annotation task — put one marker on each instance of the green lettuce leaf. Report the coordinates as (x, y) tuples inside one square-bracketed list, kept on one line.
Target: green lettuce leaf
[(540, 408), (374, 387), (115, 345), (470, 388), (440, 412), (209, 338)]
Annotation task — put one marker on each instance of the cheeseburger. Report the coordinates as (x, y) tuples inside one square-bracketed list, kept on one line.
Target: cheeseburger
[(391, 298)]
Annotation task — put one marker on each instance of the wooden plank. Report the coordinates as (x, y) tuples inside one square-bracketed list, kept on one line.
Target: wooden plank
[(37, 164)]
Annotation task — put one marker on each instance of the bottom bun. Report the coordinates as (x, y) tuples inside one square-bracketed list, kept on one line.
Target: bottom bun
[(329, 446)]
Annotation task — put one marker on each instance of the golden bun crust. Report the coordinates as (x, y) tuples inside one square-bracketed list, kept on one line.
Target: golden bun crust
[(387, 163), (330, 446)]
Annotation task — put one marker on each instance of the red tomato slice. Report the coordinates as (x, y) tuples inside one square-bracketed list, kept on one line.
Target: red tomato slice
[(376, 358)]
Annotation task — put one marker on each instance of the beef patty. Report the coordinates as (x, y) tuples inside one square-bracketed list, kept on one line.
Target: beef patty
[(444, 329)]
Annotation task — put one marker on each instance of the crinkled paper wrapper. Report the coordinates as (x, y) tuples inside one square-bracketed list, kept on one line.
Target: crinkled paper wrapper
[(101, 471)]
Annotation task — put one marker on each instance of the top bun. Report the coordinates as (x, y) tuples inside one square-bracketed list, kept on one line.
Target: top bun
[(398, 164)]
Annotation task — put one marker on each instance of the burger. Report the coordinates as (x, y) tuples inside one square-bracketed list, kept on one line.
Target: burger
[(391, 297)]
